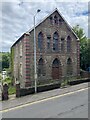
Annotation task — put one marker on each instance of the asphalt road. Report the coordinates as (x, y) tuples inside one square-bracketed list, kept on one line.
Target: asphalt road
[(74, 105)]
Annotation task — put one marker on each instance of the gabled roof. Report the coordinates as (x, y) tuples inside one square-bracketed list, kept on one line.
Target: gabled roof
[(55, 10)]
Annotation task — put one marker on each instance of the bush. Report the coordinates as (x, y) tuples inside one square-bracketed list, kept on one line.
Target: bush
[(8, 80), (0, 76), (11, 90)]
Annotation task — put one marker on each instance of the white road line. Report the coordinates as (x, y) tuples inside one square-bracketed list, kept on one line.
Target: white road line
[(46, 99)]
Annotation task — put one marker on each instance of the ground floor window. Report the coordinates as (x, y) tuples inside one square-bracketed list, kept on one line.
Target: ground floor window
[(69, 67), (41, 68)]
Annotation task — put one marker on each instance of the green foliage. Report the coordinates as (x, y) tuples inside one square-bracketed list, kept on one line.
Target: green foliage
[(12, 61), (80, 33), (11, 90), (5, 60), (84, 47), (8, 80), (88, 52), (0, 76)]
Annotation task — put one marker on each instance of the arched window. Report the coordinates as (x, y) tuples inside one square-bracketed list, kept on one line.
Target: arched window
[(69, 66), (60, 21), (48, 41), (55, 19), (56, 63), (68, 44), (21, 48), (41, 70), (55, 41), (40, 41)]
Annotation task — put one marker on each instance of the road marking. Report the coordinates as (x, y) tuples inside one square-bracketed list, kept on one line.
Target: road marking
[(45, 99)]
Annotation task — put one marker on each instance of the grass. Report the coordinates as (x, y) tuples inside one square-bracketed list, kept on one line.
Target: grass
[(11, 90)]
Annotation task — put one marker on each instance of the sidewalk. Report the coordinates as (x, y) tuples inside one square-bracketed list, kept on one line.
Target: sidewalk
[(13, 101)]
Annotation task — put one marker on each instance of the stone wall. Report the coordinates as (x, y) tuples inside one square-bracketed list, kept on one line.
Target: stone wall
[(27, 58), (85, 74)]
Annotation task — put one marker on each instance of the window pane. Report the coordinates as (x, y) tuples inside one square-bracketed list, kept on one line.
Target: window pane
[(68, 44), (55, 19), (40, 40), (48, 42), (69, 67), (55, 41), (41, 69)]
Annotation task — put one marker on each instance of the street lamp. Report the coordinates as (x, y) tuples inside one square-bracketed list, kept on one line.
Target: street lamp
[(35, 69)]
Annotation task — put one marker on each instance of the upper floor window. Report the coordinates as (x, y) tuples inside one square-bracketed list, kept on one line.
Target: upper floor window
[(55, 19), (21, 69), (68, 44), (62, 44), (40, 40), (55, 41), (60, 21), (48, 42), (20, 49)]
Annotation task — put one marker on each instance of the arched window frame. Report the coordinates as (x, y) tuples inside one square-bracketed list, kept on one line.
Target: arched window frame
[(56, 63), (69, 66), (48, 42), (55, 19), (51, 20), (41, 68), (40, 41), (55, 41), (68, 44), (21, 48)]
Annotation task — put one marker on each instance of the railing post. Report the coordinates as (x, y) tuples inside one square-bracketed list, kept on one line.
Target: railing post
[(17, 89), (5, 92)]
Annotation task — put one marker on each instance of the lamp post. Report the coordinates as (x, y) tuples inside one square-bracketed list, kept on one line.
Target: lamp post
[(35, 68)]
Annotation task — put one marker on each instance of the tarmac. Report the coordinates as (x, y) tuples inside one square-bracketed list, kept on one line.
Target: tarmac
[(14, 102)]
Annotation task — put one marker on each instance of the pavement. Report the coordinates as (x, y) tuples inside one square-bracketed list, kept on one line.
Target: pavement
[(14, 102)]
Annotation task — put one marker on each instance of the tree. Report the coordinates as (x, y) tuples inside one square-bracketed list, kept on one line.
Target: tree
[(84, 47), (5, 61), (88, 53)]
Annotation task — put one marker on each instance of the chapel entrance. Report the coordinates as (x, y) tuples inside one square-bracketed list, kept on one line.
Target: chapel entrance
[(56, 70)]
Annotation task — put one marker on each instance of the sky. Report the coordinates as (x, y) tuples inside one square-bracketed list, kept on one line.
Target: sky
[(16, 17)]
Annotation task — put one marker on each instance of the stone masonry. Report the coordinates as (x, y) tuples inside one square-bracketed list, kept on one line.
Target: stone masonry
[(57, 51)]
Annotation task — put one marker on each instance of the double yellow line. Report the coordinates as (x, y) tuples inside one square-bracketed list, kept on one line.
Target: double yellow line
[(42, 100)]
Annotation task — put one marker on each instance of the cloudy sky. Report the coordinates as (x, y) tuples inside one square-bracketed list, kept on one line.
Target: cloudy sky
[(17, 17)]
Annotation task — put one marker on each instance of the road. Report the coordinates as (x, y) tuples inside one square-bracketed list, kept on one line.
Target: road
[(72, 105)]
